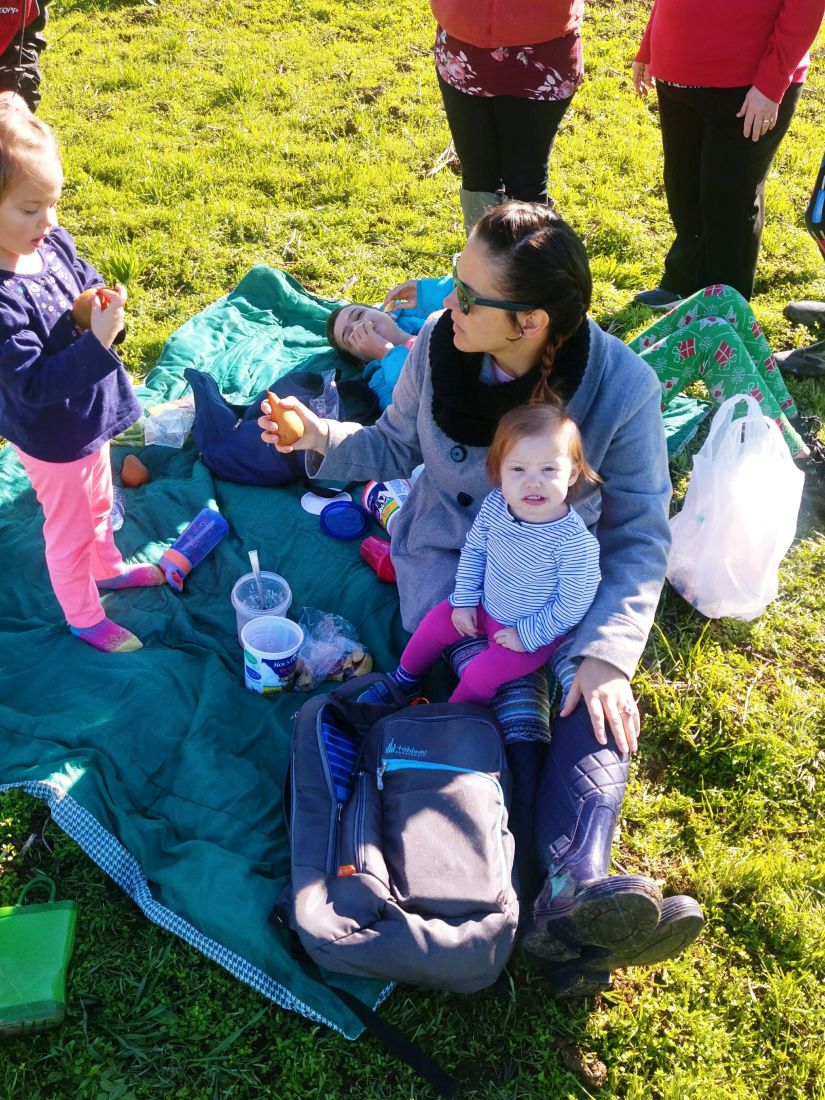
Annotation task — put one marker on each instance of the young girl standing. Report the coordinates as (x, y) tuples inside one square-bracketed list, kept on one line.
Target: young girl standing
[(529, 569), (63, 392)]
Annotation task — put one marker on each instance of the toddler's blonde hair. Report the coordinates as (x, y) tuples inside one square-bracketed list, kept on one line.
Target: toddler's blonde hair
[(25, 142)]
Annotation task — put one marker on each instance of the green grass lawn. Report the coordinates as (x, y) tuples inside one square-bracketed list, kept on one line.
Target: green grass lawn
[(202, 138)]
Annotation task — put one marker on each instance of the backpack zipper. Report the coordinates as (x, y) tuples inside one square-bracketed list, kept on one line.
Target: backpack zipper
[(335, 815), (397, 765), (361, 812)]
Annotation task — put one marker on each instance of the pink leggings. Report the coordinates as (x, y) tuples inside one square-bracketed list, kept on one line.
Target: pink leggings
[(483, 675), (76, 498)]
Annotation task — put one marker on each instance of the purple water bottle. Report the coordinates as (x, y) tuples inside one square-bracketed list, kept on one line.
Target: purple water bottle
[(202, 535)]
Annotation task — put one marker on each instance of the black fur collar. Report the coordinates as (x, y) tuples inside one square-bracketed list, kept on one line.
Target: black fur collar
[(467, 409)]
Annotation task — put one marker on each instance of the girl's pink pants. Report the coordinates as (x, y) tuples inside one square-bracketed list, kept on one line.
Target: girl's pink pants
[(76, 498), (484, 674)]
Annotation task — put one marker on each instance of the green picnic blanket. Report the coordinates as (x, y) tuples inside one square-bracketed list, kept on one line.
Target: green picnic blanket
[(159, 763), (163, 767)]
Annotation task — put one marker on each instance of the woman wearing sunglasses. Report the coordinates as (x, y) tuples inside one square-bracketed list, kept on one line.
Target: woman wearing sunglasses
[(515, 329)]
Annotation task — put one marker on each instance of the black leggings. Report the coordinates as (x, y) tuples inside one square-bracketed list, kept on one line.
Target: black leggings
[(715, 185), (503, 141)]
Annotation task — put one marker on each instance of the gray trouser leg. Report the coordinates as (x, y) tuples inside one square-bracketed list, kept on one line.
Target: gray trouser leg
[(474, 204)]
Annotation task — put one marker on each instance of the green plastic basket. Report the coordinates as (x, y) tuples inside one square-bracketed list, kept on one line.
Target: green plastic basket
[(35, 947)]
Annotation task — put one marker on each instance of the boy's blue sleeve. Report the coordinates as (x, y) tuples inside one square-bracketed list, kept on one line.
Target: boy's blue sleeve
[(429, 299), (431, 294), (382, 374)]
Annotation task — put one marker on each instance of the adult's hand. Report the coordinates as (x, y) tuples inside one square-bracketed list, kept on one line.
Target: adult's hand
[(403, 296), (759, 113), (607, 694), (642, 80), (316, 431)]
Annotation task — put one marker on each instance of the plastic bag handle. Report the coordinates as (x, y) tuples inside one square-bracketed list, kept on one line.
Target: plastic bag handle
[(724, 414), (38, 880)]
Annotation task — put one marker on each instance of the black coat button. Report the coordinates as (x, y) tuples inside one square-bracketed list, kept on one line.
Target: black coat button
[(458, 453), (464, 499)]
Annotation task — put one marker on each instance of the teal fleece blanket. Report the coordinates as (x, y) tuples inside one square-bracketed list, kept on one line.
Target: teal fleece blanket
[(159, 763), (162, 766)]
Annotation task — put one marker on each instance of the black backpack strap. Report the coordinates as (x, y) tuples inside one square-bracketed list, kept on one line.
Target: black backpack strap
[(392, 1039), (389, 1036)]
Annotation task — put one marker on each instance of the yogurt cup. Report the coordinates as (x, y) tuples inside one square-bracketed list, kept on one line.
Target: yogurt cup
[(270, 653)]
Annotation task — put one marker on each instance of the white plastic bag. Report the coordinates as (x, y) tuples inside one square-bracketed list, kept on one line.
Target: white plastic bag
[(738, 518)]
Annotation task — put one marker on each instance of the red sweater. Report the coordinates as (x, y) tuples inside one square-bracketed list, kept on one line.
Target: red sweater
[(492, 23), (731, 43), (13, 17)]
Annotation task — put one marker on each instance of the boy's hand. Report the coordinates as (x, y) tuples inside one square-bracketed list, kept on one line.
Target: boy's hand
[(403, 296), (14, 100), (108, 313), (366, 342), (508, 638), (465, 620)]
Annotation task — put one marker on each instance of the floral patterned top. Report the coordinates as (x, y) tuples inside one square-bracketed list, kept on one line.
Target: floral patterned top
[(543, 70)]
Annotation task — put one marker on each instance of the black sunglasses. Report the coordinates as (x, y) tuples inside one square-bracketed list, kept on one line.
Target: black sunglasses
[(466, 298)]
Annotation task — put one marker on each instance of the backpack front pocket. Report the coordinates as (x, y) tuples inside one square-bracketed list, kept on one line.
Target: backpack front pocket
[(442, 837)]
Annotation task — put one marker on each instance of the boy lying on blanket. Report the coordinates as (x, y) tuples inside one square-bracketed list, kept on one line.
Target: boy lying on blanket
[(382, 336)]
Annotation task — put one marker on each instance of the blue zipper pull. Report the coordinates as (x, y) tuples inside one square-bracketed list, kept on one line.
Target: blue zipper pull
[(379, 775)]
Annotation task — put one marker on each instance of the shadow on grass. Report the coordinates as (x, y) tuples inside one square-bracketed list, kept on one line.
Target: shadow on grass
[(144, 9), (627, 319)]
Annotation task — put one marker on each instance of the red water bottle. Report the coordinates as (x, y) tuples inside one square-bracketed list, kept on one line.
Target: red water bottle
[(376, 553)]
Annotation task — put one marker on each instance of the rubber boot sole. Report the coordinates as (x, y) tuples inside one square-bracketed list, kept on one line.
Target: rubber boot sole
[(681, 922), (615, 914)]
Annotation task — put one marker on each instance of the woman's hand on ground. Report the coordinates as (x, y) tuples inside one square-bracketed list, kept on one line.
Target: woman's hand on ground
[(403, 296), (759, 112), (508, 638), (107, 320), (609, 700), (642, 80), (465, 620), (316, 431)]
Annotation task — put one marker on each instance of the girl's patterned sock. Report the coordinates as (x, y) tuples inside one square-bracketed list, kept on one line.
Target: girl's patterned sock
[(108, 637), (410, 685), (134, 576), (378, 693)]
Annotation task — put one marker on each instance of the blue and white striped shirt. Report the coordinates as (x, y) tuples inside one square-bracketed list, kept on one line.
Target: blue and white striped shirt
[(540, 578)]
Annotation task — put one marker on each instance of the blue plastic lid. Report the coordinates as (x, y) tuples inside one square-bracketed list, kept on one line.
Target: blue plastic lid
[(344, 520)]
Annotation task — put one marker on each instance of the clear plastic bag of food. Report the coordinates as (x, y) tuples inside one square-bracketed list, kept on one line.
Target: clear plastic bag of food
[(169, 423), (330, 650)]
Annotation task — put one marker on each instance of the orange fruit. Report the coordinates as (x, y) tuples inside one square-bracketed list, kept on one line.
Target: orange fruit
[(82, 308), (133, 472), (290, 425)]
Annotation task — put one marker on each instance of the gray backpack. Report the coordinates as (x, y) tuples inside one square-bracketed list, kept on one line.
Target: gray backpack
[(401, 859)]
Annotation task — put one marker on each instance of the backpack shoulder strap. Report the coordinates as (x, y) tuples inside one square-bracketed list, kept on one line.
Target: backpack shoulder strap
[(389, 1036)]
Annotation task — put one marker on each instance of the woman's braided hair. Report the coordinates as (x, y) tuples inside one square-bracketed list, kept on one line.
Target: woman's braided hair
[(539, 259)]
